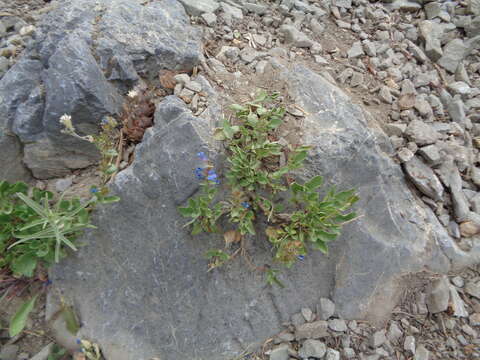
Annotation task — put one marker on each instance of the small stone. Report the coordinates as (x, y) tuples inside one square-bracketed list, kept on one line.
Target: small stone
[(320, 60), (256, 8), (210, 19), (385, 95), (406, 101), (312, 348), (357, 79), (378, 339), (409, 344), (469, 331), (405, 155), (469, 229), (27, 30), (280, 352), (453, 54), (337, 325), (285, 337), (369, 48), (456, 110), (349, 353), (298, 319), (9, 352), (473, 288), (232, 11), (182, 79), (421, 353), (458, 281), (63, 184), (261, 66), (332, 354), (394, 332), (314, 330), (431, 154), (438, 295), (421, 133), (307, 314), (459, 87), (457, 304), (356, 50), (325, 309), (295, 37), (474, 319), (194, 86)]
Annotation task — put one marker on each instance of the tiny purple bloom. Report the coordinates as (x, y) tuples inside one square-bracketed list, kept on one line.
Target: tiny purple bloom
[(245, 204), (79, 342), (301, 257)]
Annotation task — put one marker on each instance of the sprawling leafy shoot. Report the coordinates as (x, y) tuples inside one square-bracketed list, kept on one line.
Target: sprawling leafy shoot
[(105, 141), (34, 229), (255, 176)]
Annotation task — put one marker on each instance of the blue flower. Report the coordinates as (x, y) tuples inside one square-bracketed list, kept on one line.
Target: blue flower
[(79, 342), (94, 190), (104, 121), (245, 204), (301, 257), (202, 156), (199, 173), (212, 175)]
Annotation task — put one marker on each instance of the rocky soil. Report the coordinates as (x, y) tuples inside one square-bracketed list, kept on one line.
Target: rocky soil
[(413, 65)]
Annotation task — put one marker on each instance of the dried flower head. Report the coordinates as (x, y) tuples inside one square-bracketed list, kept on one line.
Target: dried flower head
[(132, 94), (66, 121)]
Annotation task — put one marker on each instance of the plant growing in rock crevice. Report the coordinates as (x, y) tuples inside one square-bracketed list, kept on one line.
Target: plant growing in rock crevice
[(256, 175)]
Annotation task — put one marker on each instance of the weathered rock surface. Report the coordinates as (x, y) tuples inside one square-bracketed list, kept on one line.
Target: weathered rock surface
[(83, 47), (141, 284)]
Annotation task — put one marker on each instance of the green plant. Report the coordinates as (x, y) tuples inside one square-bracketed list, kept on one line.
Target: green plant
[(35, 229), (256, 175), (18, 321)]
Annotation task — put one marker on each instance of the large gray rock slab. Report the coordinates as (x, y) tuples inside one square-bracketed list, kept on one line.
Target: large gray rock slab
[(86, 55), (140, 284)]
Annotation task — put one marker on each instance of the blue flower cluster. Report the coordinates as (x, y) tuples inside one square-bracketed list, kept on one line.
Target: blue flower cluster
[(210, 173), (245, 204)]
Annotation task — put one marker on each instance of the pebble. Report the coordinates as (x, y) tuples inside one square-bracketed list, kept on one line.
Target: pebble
[(307, 314), (312, 348), (421, 353), (473, 288), (337, 325), (332, 354), (409, 344), (325, 309), (194, 86), (378, 339), (356, 50), (210, 19), (313, 330), (438, 295), (385, 95), (281, 352)]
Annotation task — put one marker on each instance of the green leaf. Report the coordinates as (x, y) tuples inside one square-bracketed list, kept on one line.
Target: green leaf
[(296, 188), (70, 319), (33, 205), (24, 265), (275, 122), (218, 134), (110, 199), (320, 245), (314, 183), (18, 321), (325, 236), (186, 211), (237, 108), (111, 169)]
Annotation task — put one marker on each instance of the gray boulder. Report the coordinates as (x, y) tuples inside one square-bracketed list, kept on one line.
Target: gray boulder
[(141, 286), (87, 54)]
